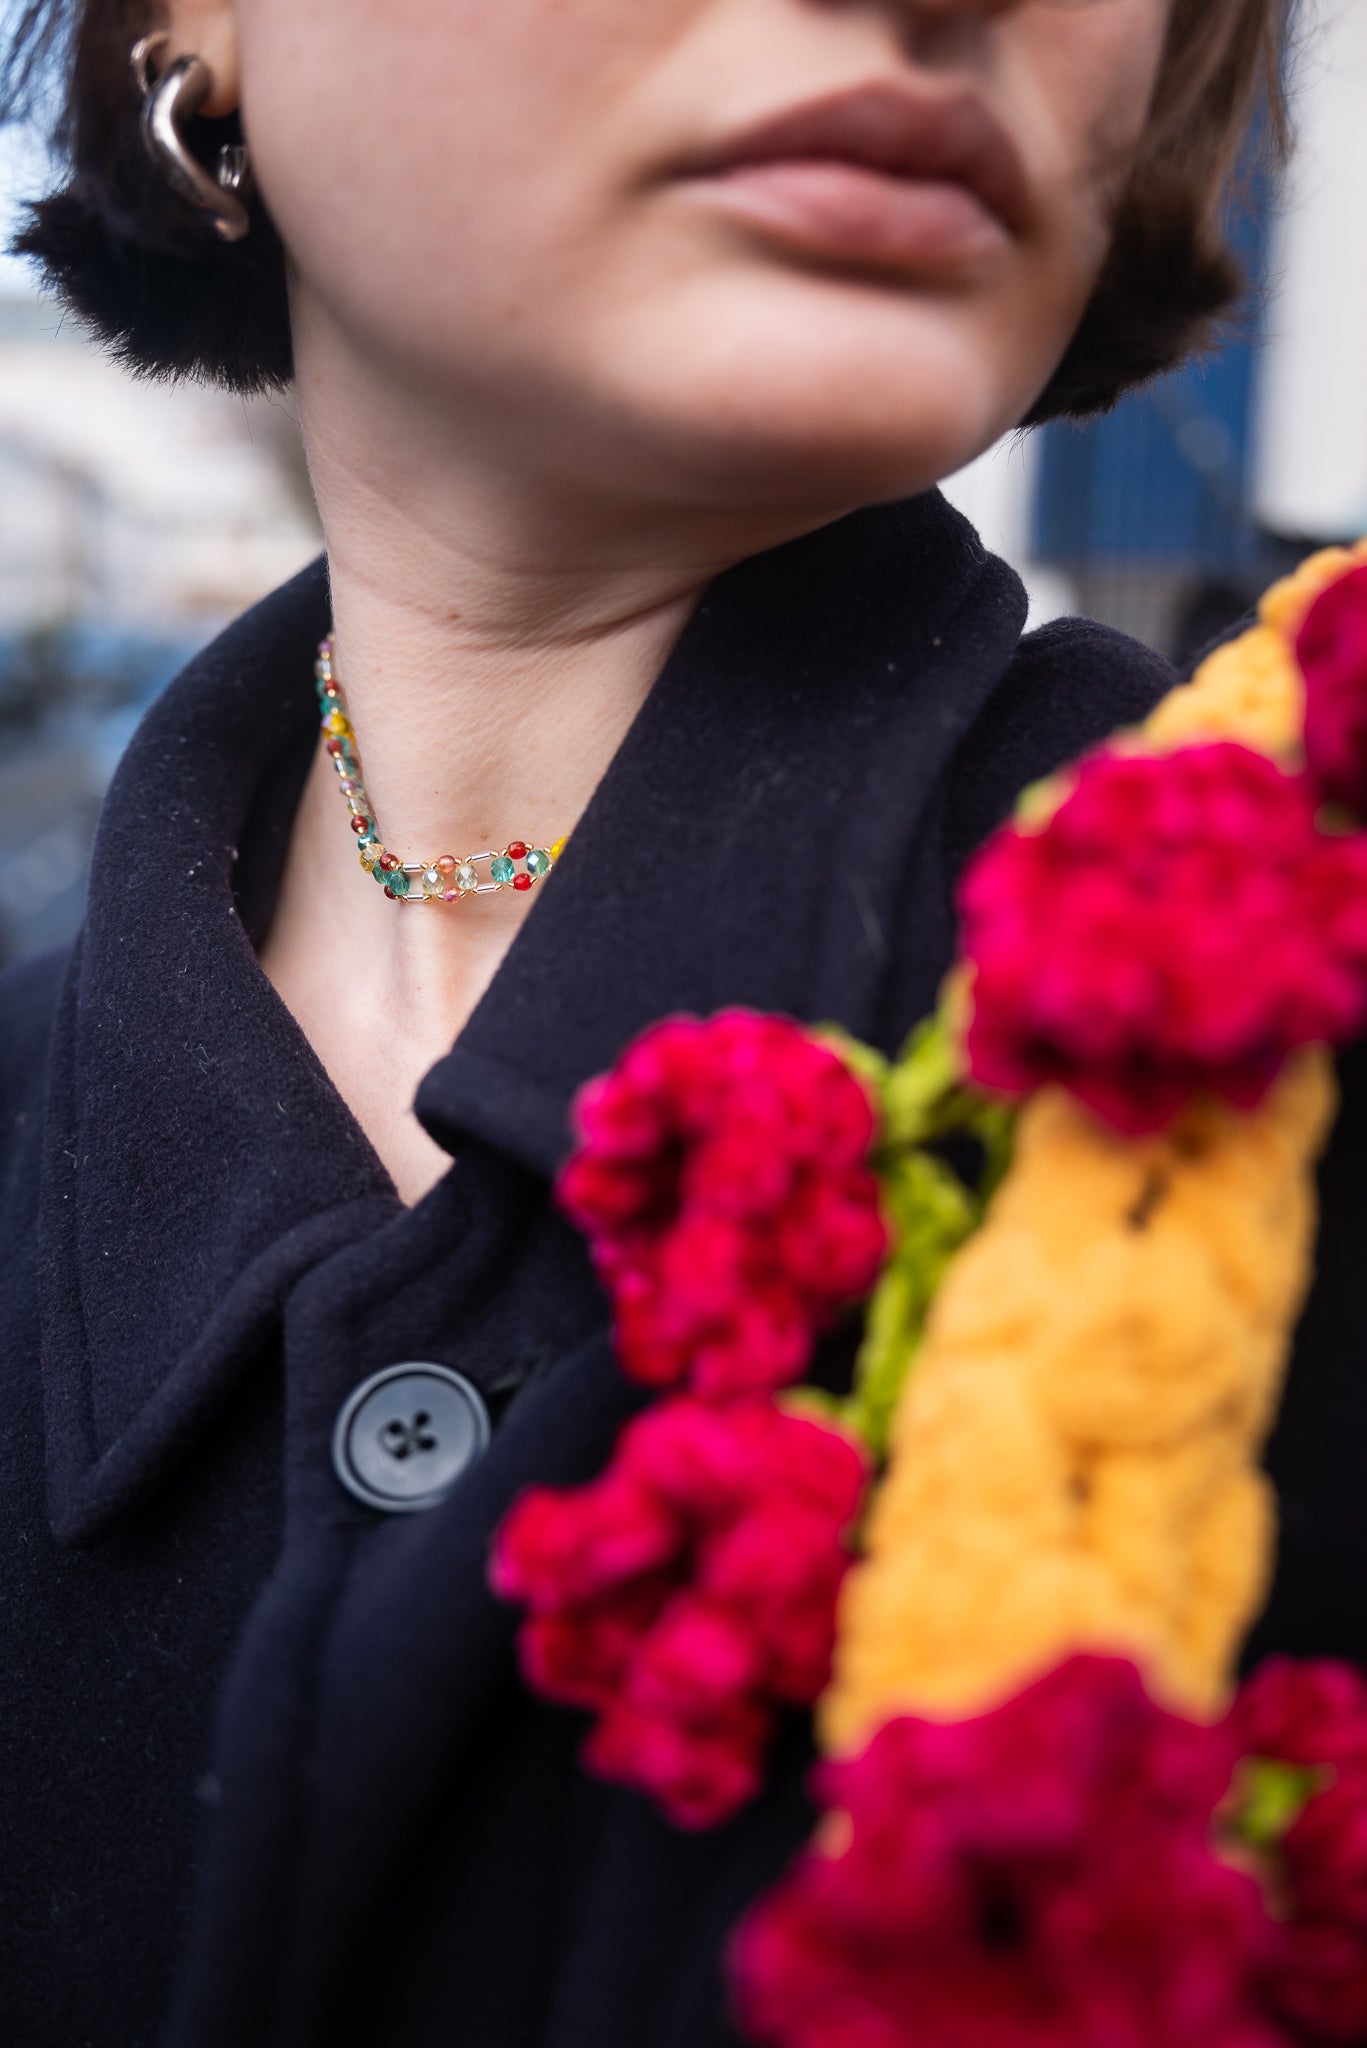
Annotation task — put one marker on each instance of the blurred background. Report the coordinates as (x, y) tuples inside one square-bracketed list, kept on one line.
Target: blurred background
[(135, 520)]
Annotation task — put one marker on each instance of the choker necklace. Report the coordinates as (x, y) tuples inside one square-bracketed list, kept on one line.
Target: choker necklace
[(444, 880)]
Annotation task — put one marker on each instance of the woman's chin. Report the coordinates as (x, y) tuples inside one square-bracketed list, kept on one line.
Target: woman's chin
[(758, 442), (877, 400)]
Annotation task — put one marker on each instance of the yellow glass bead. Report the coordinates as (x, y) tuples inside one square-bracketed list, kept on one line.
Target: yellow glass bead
[(337, 723), (371, 850), (558, 848)]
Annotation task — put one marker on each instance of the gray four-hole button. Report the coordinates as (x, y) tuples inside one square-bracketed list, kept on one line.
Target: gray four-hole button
[(406, 1435)]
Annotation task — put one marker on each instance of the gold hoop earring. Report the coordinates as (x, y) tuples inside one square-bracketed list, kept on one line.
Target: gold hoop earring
[(169, 100)]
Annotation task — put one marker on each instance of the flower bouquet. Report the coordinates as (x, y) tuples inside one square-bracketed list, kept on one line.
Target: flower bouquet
[(1012, 1568)]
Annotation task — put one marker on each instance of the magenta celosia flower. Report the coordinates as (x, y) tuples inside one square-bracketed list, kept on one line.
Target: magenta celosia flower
[(723, 1182), (1040, 1877), (1180, 925), (1314, 1716), (1331, 648), (687, 1593), (1317, 1978), (1311, 1712)]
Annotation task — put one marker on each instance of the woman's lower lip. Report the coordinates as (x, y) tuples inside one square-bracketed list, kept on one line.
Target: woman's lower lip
[(846, 210)]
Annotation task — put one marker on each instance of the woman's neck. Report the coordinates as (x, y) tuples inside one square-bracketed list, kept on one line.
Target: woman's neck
[(469, 738), (495, 637), (477, 721)]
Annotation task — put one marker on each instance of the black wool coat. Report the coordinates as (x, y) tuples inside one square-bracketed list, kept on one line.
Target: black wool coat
[(267, 1774)]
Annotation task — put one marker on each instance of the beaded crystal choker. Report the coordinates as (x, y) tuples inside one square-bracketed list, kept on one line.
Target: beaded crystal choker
[(443, 880)]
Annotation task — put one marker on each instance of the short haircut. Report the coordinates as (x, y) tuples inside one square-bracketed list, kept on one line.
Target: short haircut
[(170, 300)]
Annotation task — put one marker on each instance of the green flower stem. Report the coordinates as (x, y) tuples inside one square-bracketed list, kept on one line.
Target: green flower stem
[(924, 1101), (1268, 1797)]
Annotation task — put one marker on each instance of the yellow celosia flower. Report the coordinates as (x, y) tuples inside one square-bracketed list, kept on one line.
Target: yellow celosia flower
[(1073, 1462), (1250, 689), (1285, 605)]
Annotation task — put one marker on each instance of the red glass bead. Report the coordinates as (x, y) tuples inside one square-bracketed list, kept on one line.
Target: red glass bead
[(445, 864), (336, 747), (390, 894), (389, 861), (522, 881), (518, 850), (360, 824)]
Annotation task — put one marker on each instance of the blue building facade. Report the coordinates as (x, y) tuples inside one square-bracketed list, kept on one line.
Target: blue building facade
[(1164, 481)]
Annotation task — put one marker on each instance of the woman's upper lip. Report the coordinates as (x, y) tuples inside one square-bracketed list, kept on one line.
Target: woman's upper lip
[(890, 128)]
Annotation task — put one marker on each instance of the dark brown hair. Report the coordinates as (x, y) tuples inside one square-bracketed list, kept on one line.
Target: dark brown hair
[(169, 300)]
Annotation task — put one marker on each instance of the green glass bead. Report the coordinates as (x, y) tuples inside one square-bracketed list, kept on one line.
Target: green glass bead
[(538, 861), (397, 880), (501, 869), (381, 874)]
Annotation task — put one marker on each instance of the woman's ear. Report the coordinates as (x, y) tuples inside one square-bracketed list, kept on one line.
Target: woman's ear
[(206, 29)]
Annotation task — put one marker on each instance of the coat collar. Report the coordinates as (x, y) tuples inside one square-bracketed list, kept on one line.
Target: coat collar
[(751, 840), (749, 843)]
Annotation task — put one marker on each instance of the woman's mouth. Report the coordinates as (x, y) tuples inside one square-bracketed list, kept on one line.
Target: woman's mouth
[(876, 176)]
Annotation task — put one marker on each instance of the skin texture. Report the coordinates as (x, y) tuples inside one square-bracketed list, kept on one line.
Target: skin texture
[(549, 388)]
